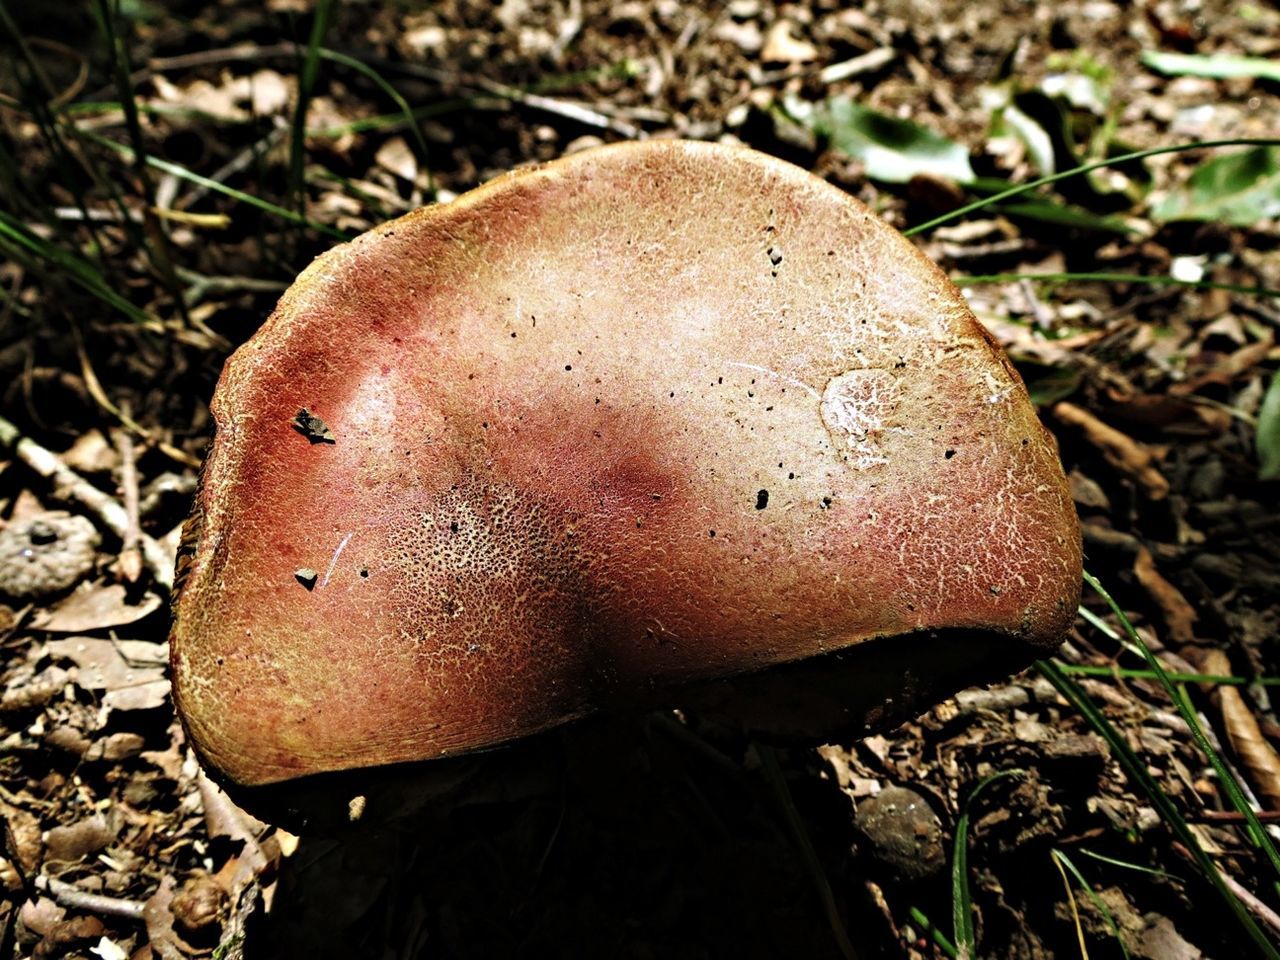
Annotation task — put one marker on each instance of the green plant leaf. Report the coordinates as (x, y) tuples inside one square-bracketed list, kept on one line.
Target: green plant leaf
[(1060, 214), (1112, 161), (893, 150), (961, 900), (1065, 863), (1218, 66), (1138, 773), (1239, 188), (1268, 438), (1047, 383)]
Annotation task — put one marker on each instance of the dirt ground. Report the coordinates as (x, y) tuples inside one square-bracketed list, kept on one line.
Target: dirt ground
[(651, 836)]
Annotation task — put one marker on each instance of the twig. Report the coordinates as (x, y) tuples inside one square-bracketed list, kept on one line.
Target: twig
[(1259, 909), (237, 163), (71, 486), (130, 555), (1235, 816), (578, 112), (77, 899), (200, 286)]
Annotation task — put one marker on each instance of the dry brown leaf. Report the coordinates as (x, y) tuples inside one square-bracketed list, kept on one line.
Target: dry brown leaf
[(91, 453), (95, 606), (221, 101), (1175, 416), (1179, 615), (34, 692), (1162, 941), (158, 916), (127, 682), (270, 92), (1120, 450), (75, 841), (395, 157), (781, 45), (24, 841), (1256, 754)]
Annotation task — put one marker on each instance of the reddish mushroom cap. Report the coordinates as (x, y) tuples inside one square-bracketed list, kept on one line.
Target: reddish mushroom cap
[(647, 415)]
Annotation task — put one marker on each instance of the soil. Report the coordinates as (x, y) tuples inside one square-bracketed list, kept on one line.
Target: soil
[(659, 835)]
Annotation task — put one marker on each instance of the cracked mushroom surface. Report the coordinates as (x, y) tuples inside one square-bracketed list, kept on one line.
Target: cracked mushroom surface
[(649, 415)]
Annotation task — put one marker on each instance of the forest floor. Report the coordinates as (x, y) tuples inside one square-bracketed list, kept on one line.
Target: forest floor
[(123, 294)]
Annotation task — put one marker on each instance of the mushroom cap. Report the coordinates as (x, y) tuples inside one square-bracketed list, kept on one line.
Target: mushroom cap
[(649, 415)]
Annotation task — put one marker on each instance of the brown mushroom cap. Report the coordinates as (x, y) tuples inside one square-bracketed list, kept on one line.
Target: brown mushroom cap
[(647, 415)]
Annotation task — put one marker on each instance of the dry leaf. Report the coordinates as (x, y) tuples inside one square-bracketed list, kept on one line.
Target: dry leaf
[(105, 665), (1257, 755), (782, 46), (75, 841), (95, 606), (222, 101), (396, 157), (269, 92)]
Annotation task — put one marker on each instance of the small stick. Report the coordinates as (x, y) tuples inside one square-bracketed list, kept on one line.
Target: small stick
[(1255, 906), (130, 555), (1235, 816), (77, 899), (71, 486)]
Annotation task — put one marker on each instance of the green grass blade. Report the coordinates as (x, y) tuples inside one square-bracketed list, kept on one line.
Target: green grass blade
[(193, 177), (18, 241), (961, 900), (936, 935), (1137, 772), (1260, 837), (1078, 171), (306, 84), (1126, 865), (1064, 862), (152, 239), (406, 112)]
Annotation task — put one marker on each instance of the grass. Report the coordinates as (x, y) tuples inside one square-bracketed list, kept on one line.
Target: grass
[(1138, 774), (1065, 866)]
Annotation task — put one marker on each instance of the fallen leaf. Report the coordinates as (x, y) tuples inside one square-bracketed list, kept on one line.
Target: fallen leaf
[(103, 665), (75, 841), (782, 46), (1268, 436), (1161, 941), (1257, 755), (892, 150), (395, 157), (95, 606), (108, 949), (1238, 188), (1217, 66)]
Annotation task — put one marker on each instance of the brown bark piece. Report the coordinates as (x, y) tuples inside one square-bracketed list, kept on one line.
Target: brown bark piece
[(1120, 450), (1179, 615)]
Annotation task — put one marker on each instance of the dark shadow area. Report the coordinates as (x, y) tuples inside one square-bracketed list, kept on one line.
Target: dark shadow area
[(653, 835)]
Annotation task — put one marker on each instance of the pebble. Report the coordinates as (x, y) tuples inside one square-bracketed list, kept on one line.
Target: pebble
[(903, 831)]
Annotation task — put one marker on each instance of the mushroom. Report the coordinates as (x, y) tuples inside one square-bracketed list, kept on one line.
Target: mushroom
[(662, 423)]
